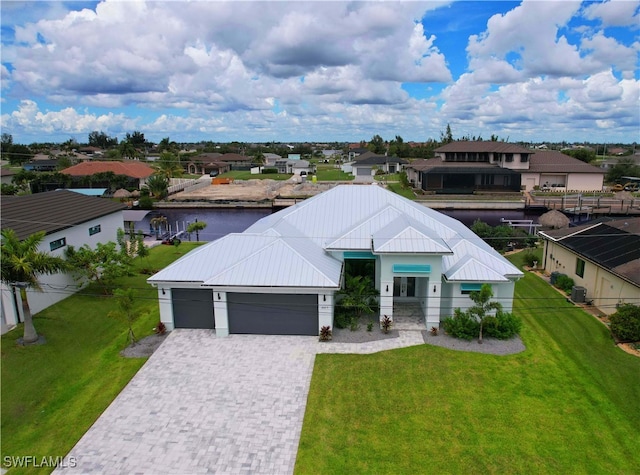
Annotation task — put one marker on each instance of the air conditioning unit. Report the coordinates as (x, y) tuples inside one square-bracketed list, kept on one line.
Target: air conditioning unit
[(578, 294)]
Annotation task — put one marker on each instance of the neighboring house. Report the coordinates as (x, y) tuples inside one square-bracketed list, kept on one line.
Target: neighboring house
[(470, 166), (6, 176), (294, 167), (367, 164), (557, 170), (137, 171), (356, 152), (610, 162), (91, 151), (68, 218), (205, 163), (47, 165), (282, 274), (271, 158), (604, 258)]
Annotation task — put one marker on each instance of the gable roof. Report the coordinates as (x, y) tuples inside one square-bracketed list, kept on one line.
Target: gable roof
[(52, 211), (130, 168), (613, 245)]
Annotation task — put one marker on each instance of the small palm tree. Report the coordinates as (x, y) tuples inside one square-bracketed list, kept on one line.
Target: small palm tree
[(483, 306), (196, 227), (22, 264), (126, 312), (158, 223), (158, 185)]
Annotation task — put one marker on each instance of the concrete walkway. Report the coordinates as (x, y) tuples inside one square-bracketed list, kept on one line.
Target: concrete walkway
[(203, 404)]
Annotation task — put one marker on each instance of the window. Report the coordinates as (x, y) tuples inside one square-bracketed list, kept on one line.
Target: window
[(579, 267), (508, 157), (466, 289), (524, 157), (58, 243), (94, 230)]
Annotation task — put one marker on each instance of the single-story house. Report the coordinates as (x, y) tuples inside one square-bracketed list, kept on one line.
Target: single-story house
[(68, 218), (137, 171), (601, 257), (365, 165), (282, 274), (206, 163), (469, 166), (47, 165), (6, 176)]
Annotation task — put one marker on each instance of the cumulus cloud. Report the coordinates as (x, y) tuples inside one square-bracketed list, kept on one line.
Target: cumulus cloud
[(615, 13)]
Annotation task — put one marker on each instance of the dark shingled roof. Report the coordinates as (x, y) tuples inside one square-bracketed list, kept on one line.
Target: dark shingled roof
[(552, 161), (52, 211), (378, 160), (614, 245), (482, 146)]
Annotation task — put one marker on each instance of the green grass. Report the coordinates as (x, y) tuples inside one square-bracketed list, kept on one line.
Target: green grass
[(569, 404), (328, 173), (51, 394), (400, 190)]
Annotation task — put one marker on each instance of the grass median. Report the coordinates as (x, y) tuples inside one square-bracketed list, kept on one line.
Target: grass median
[(52, 393), (569, 404)]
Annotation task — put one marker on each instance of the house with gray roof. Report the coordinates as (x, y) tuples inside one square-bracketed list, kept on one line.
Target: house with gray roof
[(282, 275), (602, 258), (68, 219)]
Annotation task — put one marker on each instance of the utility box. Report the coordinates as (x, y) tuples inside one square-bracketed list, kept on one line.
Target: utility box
[(578, 294), (554, 277)]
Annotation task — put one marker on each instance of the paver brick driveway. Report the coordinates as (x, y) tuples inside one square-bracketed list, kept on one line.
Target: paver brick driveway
[(203, 404)]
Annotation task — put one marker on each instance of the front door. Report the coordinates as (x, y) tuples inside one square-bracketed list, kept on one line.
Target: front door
[(404, 286)]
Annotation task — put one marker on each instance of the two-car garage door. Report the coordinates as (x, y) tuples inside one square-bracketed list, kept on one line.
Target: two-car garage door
[(265, 314), (273, 314)]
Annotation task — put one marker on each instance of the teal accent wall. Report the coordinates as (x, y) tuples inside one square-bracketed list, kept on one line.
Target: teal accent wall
[(470, 287)]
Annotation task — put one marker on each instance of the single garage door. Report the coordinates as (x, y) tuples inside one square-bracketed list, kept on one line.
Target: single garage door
[(363, 171), (273, 314), (192, 308)]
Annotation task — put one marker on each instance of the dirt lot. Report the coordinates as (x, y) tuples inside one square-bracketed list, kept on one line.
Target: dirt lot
[(254, 190)]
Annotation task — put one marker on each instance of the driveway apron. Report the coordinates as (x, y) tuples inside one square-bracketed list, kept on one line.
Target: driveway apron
[(203, 404)]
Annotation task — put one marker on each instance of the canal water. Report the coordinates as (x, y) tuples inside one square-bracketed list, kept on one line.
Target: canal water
[(222, 221)]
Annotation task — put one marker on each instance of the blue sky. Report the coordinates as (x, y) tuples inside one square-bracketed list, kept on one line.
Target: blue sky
[(262, 71)]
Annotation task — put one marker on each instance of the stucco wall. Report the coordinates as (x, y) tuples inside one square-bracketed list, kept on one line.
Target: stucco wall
[(604, 288), (57, 287)]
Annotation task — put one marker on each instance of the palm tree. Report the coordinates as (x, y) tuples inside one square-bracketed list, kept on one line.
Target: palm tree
[(196, 227), (157, 223), (22, 264), (157, 185)]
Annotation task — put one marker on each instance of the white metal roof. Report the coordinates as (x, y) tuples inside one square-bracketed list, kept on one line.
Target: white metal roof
[(290, 247)]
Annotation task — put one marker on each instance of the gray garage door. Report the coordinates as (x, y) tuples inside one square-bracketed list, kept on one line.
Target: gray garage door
[(192, 308), (273, 314), (363, 171)]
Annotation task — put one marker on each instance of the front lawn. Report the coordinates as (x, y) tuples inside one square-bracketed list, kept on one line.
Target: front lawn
[(327, 173), (51, 394), (569, 404)]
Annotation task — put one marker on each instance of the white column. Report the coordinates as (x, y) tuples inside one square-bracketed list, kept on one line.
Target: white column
[(386, 299), (220, 313), (325, 311), (166, 307), (432, 314)]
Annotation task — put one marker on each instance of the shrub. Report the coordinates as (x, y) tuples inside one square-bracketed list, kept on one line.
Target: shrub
[(625, 323), (564, 282), (325, 333), (342, 318), (370, 326), (160, 329), (269, 171), (386, 324), (503, 326), (529, 258), (461, 325)]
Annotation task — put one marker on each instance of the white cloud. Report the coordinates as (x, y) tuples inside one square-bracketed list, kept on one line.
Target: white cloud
[(615, 13)]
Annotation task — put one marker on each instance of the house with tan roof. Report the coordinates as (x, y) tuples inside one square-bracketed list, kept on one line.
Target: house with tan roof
[(135, 170), (470, 166)]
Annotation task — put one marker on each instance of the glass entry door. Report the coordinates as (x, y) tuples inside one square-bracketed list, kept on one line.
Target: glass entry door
[(404, 286)]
